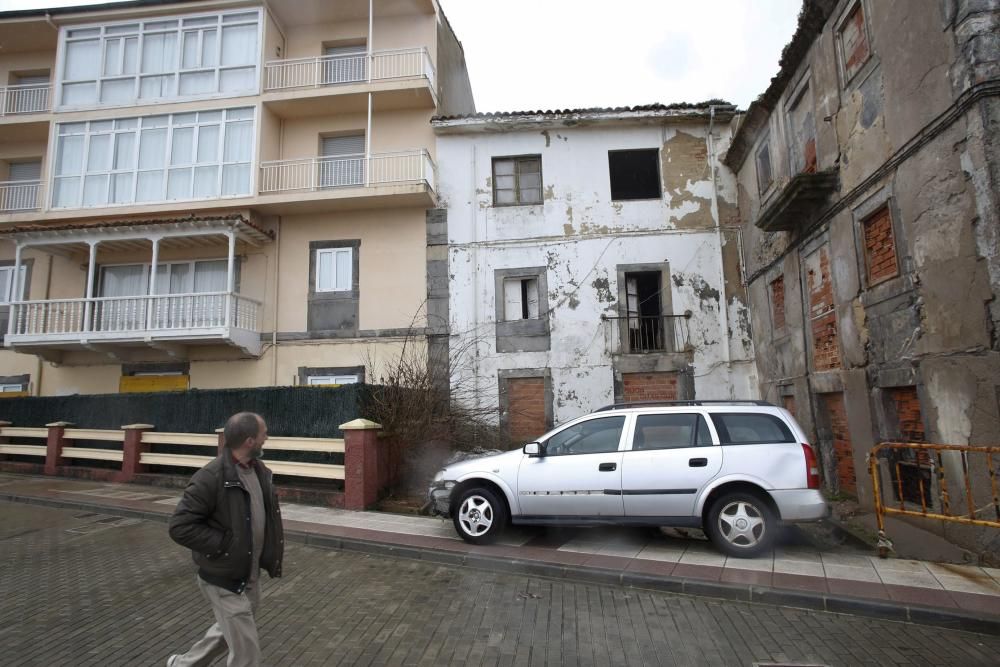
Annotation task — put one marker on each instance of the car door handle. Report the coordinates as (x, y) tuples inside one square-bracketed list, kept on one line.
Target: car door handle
[(697, 463), (607, 467)]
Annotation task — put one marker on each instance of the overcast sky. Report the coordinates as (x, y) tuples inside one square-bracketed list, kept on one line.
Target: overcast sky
[(557, 54)]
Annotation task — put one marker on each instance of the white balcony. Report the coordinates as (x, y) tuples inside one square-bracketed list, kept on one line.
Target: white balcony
[(333, 174), (20, 196), (334, 70), (146, 319), (27, 98)]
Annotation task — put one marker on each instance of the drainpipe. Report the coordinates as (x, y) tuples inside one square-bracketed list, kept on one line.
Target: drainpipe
[(475, 278), (48, 292), (724, 305), (274, 302), (371, 64)]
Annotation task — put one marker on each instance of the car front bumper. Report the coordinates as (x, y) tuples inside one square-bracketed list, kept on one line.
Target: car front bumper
[(439, 500), (801, 504)]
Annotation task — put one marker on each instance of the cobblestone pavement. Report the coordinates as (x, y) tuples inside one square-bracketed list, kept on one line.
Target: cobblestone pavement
[(80, 588)]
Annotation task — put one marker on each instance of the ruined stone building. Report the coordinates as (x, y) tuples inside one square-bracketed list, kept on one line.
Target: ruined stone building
[(867, 176), (586, 257)]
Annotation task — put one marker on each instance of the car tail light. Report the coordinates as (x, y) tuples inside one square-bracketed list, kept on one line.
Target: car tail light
[(812, 467)]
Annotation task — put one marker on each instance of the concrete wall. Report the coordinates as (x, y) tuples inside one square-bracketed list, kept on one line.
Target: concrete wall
[(932, 326), (580, 238)]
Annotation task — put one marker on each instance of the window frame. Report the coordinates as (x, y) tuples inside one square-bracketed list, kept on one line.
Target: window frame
[(332, 380), (887, 209), (112, 31), (517, 160), (525, 307), (659, 175), (621, 434), (350, 267), (6, 298), (147, 274), (765, 145), (847, 78)]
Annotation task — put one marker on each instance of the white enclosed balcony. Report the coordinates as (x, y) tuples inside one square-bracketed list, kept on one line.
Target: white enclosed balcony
[(17, 196), (25, 99), (167, 302)]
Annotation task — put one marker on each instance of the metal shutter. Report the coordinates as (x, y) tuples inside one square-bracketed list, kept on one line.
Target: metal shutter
[(350, 145), (25, 171), (37, 79)]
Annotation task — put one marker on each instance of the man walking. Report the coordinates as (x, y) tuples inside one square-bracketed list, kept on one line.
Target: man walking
[(229, 519)]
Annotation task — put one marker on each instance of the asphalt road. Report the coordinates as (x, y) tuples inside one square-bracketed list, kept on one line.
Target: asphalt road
[(78, 588)]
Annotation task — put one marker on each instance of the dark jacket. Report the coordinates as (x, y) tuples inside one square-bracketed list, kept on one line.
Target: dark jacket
[(213, 521)]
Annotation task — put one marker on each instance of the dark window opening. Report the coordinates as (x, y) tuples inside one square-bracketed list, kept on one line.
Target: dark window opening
[(635, 174), (644, 318), (764, 168)]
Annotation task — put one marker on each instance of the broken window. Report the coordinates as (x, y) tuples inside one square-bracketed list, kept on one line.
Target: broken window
[(764, 167), (635, 174), (853, 42), (520, 299), (517, 180), (802, 127), (778, 302), (644, 316)]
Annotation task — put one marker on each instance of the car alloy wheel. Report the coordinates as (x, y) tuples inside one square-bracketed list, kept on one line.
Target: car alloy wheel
[(475, 515), (742, 524)]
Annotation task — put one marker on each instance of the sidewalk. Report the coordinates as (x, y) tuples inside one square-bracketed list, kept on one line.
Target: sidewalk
[(954, 596)]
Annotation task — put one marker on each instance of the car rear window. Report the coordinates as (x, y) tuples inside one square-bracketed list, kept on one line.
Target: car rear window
[(747, 428)]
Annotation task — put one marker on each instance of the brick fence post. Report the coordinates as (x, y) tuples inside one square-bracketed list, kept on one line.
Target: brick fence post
[(361, 464), (132, 450), (3, 439), (54, 446), (222, 440)]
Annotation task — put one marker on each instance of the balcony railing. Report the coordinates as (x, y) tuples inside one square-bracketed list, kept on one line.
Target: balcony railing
[(27, 98), (321, 173), (334, 70), (639, 334), (20, 196), (131, 315)]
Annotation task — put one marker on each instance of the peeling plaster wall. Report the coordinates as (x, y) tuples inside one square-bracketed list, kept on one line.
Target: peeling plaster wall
[(580, 236)]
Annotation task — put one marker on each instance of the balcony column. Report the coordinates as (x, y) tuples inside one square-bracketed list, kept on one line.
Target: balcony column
[(230, 276), (368, 144), (151, 302), (371, 59), (17, 292), (91, 268)]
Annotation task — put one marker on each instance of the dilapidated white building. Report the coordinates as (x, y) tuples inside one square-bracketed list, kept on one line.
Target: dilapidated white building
[(584, 257)]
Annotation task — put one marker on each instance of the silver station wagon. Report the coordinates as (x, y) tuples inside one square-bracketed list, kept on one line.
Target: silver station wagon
[(731, 468)]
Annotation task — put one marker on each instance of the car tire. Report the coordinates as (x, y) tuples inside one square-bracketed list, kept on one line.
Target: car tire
[(480, 515), (741, 524)]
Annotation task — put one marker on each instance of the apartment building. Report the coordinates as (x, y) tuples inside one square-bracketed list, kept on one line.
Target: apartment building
[(868, 176), (213, 194), (588, 256)]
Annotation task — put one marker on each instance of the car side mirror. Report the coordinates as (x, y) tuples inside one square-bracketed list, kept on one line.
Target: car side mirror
[(534, 450)]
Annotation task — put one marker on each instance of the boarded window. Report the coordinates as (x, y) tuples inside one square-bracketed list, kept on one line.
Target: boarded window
[(802, 127), (635, 174), (880, 247), (778, 302), (854, 42), (517, 180)]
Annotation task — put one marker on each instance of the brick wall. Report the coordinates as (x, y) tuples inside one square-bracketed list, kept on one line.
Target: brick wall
[(843, 450), (649, 386), (880, 247), (778, 302), (910, 422), (823, 319), (526, 408), (789, 404)]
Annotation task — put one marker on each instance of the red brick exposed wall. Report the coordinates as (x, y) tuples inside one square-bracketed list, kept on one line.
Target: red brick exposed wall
[(843, 450), (789, 404), (910, 420), (778, 302), (826, 352), (880, 247), (649, 386), (526, 408), (854, 41)]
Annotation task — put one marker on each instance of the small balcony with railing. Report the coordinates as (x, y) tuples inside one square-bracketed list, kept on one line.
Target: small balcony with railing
[(384, 179), (21, 196), (25, 99), (647, 334), (401, 78), (167, 306)]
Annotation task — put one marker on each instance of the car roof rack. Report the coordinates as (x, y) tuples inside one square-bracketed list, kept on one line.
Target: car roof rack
[(655, 404)]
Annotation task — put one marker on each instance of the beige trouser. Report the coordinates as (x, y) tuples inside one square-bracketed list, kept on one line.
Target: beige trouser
[(234, 629)]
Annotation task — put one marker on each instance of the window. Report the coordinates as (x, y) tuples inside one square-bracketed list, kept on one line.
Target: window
[(327, 380), (344, 64), (334, 269), (853, 39), (764, 177), (644, 314), (7, 289), (594, 436), (517, 180), (5, 388), (802, 129), (635, 174), (120, 64), (880, 247), (194, 155), (750, 428), (520, 299), (343, 161), (778, 302), (670, 431)]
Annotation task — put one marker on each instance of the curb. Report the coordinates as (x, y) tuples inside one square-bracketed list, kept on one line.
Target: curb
[(839, 604)]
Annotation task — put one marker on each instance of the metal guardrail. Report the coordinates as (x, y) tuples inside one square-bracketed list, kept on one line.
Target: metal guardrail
[(918, 476), (354, 68), (634, 334), (321, 173), (26, 98), (20, 196)]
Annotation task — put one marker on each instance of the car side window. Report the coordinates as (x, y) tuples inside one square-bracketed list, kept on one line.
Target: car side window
[(593, 436), (746, 428), (670, 431)]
